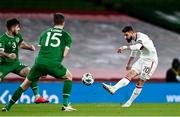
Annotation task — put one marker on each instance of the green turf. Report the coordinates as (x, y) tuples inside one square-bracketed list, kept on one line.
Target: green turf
[(99, 109)]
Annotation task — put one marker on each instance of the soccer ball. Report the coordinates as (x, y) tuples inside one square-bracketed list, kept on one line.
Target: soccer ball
[(87, 79)]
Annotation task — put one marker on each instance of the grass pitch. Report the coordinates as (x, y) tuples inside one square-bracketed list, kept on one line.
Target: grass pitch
[(99, 109)]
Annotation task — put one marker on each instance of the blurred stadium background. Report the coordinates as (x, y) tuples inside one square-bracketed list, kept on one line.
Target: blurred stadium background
[(95, 26)]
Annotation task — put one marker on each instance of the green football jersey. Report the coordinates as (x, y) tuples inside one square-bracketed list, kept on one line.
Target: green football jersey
[(53, 43), (10, 44)]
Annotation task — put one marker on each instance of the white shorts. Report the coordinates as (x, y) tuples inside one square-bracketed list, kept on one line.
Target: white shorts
[(145, 68)]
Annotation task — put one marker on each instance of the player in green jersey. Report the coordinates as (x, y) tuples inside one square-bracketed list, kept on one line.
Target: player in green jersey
[(9, 47), (54, 46)]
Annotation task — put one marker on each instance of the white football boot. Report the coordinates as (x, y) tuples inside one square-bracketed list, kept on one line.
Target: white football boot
[(68, 108), (109, 88), (127, 104)]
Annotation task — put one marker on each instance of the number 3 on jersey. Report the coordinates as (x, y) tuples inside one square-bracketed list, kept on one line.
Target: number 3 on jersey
[(55, 37)]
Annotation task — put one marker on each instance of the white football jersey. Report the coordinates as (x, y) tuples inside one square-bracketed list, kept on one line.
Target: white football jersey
[(148, 51)]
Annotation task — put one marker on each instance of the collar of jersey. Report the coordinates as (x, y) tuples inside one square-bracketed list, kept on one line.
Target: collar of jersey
[(9, 35), (58, 27)]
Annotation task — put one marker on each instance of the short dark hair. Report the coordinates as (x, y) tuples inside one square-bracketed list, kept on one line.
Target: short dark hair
[(127, 29), (58, 19), (175, 62), (12, 22)]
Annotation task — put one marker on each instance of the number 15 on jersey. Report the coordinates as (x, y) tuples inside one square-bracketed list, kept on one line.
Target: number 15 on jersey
[(55, 37)]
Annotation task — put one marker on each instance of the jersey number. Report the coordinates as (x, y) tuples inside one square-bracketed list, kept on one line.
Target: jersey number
[(146, 69), (54, 37)]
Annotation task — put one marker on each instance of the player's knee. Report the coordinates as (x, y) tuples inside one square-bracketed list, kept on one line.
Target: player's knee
[(69, 76), (140, 83), (25, 72), (26, 84), (0, 80), (131, 74)]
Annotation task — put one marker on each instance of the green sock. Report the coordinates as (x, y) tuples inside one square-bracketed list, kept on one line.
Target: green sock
[(66, 91), (14, 98), (35, 88)]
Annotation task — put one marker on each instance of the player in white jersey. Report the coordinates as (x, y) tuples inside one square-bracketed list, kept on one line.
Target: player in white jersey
[(143, 68)]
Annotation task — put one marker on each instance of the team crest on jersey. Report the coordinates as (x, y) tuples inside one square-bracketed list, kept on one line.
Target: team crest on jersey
[(17, 39)]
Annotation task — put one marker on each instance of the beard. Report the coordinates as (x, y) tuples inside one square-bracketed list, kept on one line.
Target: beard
[(14, 33), (129, 40)]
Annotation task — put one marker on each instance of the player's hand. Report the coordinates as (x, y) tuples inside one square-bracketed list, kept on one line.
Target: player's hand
[(119, 50), (128, 67), (12, 56), (33, 48)]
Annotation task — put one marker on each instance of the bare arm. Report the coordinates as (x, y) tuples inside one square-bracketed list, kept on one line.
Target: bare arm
[(26, 46), (3, 54), (11, 55)]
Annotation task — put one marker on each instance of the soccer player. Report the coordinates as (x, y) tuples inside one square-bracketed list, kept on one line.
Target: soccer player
[(9, 47), (54, 46), (143, 68)]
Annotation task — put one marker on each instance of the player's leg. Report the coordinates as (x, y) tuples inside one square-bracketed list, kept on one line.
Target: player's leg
[(23, 71), (123, 82), (61, 72), (147, 69), (135, 93), (126, 80), (67, 88), (33, 76), (2, 75), (67, 92), (4, 70), (17, 94)]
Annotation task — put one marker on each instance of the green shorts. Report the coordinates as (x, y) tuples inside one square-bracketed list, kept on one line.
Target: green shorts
[(38, 70), (6, 68)]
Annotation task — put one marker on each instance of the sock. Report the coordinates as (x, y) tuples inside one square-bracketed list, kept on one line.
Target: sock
[(35, 89), (14, 98), (123, 82), (135, 94), (66, 92)]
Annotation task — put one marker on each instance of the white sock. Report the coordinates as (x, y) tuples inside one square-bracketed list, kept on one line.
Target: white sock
[(135, 94), (123, 82)]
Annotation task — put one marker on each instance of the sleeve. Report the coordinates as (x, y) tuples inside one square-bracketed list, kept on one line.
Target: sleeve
[(133, 53), (68, 41), (2, 45), (40, 39), (137, 46), (139, 41), (142, 40)]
